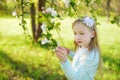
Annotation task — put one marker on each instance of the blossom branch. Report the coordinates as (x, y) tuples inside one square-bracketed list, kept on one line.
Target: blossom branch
[(60, 37)]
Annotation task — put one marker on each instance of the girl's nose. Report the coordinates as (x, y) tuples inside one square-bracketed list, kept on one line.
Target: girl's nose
[(76, 37)]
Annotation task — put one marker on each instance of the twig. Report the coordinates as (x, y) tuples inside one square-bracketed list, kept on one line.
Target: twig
[(60, 38), (75, 12)]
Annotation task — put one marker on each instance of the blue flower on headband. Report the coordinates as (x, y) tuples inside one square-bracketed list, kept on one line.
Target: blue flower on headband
[(88, 21)]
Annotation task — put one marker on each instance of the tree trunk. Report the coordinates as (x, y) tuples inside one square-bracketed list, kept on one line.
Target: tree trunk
[(33, 24), (108, 9), (41, 3)]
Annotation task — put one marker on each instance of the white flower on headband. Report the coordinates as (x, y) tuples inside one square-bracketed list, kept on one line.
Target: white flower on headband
[(88, 21)]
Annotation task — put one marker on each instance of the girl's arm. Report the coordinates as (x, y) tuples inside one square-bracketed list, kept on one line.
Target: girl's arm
[(84, 71), (70, 53)]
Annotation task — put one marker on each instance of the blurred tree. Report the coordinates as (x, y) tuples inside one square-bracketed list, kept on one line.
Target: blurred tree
[(37, 31), (23, 14), (33, 21), (60, 8), (41, 3), (3, 6), (108, 8), (111, 8), (116, 11)]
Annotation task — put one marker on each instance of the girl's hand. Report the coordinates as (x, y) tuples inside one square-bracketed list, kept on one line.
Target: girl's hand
[(61, 53)]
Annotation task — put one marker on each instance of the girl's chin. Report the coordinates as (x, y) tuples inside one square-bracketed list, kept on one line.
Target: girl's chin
[(79, 45), (83, 46)]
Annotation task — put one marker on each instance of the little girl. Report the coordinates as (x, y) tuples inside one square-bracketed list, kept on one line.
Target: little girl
[(86, 57)]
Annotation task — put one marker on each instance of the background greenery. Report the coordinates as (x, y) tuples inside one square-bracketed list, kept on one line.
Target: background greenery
[(21, 59)]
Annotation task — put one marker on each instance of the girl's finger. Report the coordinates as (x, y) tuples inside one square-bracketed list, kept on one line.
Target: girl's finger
[(61, 50), (59, 57), (60, 54)]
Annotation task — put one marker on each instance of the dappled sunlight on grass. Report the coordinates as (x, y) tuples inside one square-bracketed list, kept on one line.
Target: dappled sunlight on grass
[(28, 60)]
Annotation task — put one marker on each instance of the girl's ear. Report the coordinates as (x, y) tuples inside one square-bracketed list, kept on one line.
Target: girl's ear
[(93, 34)]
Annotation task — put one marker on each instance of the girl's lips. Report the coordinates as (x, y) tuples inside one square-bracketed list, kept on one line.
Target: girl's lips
[(78, 41)]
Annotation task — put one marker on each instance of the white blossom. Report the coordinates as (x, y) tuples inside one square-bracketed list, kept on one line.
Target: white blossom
[(14, 13), (66, 2), (44, 41), (51, 11), (88, 21), (54, 13), (43, 11), (43, 27)]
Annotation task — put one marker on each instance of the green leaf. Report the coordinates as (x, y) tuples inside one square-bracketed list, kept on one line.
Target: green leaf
[(42, 19), (72, 4), (54, 42), (48, 35), (57, 24), (98, 23), (113, 21), (99, 2), (50, 27)]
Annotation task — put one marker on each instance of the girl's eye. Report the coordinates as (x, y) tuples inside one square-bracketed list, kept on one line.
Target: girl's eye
[(82, 33), (74, 33)]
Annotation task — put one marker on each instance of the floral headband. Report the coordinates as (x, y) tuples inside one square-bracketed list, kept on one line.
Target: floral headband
[(90, 22)]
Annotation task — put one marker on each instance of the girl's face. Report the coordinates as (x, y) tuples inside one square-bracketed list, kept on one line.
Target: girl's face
[(82, 34)]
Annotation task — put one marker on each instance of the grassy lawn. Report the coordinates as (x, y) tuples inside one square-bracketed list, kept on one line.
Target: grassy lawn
[(21, 59)]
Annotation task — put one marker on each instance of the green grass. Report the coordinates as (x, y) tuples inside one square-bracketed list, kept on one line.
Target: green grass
[(21, 59)]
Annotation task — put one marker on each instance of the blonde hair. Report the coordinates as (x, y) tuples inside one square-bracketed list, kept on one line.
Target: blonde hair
[(94, 41)]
